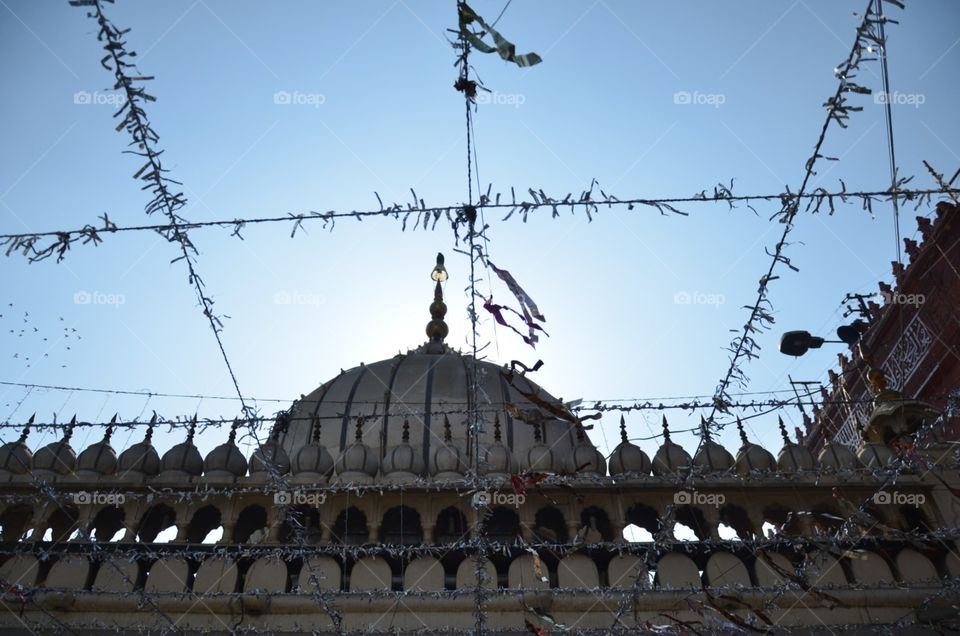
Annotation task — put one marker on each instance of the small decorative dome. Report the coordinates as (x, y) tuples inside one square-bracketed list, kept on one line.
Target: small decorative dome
[(402, 461), (447, 461), (313, 459), (628, 457), (587, 460), (142, 457), (184, 457), (496, 459), (873, 455), (835, 456), (226, 459), (15, 457), (670, 457), (271, 457), (711, 457), (58, 457), (752, 457), (539, 456), (100, 457), (358, 461), (793, 457)]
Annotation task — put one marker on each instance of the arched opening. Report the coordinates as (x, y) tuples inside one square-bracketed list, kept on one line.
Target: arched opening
[(693, 519), (914, 520), (106, 524), (350, 528), (785, 521), (14, 520), (451, 526), (204, 521), (595, 524), (635, 534), (401, 526), (643, 517), (301, 523), (549, 525), (252, 519), (502, 525), (61, 524), (157, 519), (735, 521)]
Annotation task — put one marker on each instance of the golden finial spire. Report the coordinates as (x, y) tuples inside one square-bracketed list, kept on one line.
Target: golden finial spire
[(437, 329)]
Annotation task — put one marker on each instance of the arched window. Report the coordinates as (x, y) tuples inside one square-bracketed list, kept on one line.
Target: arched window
[(302, 522), (107, 523), (502, 525), (451, 526), (204, 521), (157, 519), (251, 525), (14, 521), (401, 526), (595, 524), (350, 527), (549, 525), (643, 517)]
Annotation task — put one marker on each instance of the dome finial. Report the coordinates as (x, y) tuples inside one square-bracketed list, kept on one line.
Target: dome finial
[(233, 431), (437, 329), (496, 427), (148, 436), (666, 431), (447, 436), (783, 430), (406, 431), (26, 428), (192, 429), (315, 426), (109, 432), (537, 437), (743, 434), (68, 433), (704, 430), (623, 429), (360, 429), (580, 432)]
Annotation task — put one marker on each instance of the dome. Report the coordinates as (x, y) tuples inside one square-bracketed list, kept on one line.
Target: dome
[(15, 457), (586, 458), (403, 461), (100, 457), (312, 459), (540, 457), (752, 457), (793, 457), (58, 457), (496, 460), (184, 457), (628, 457), (269, 456), (447, 461), (835, 456), (876, 456), (142, 457), (670, 457), (713, 458), (357, 462), (225, 459)]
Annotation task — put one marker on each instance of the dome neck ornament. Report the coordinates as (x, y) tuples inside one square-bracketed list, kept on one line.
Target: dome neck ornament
[(705, 431), (26, 429), (359, 436), (315, 425), (437, 329), (148, 436), (192, 430), (743, 435), (107, 434), (666, 431), (447, 436), (405, 438), (496, 428), (68, 432), (783, 432), (623, 430)]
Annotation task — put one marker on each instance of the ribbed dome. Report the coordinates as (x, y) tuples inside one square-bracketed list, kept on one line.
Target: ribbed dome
[(628, 457), (312, 459), (183, 457), (876, 456), (496, 459), (713, 458), (225, 459), (98, 458), (586, 458), (793, 457), (269, 457), (835, 456), (15, 457), (447, 460), (58, 457), (670, 457), (403, 460), (142, 457), (540, 457), (430, 385), (752, 457), (358, 462)]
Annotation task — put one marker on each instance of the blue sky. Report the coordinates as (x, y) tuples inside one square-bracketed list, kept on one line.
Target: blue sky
[(377, 112)]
